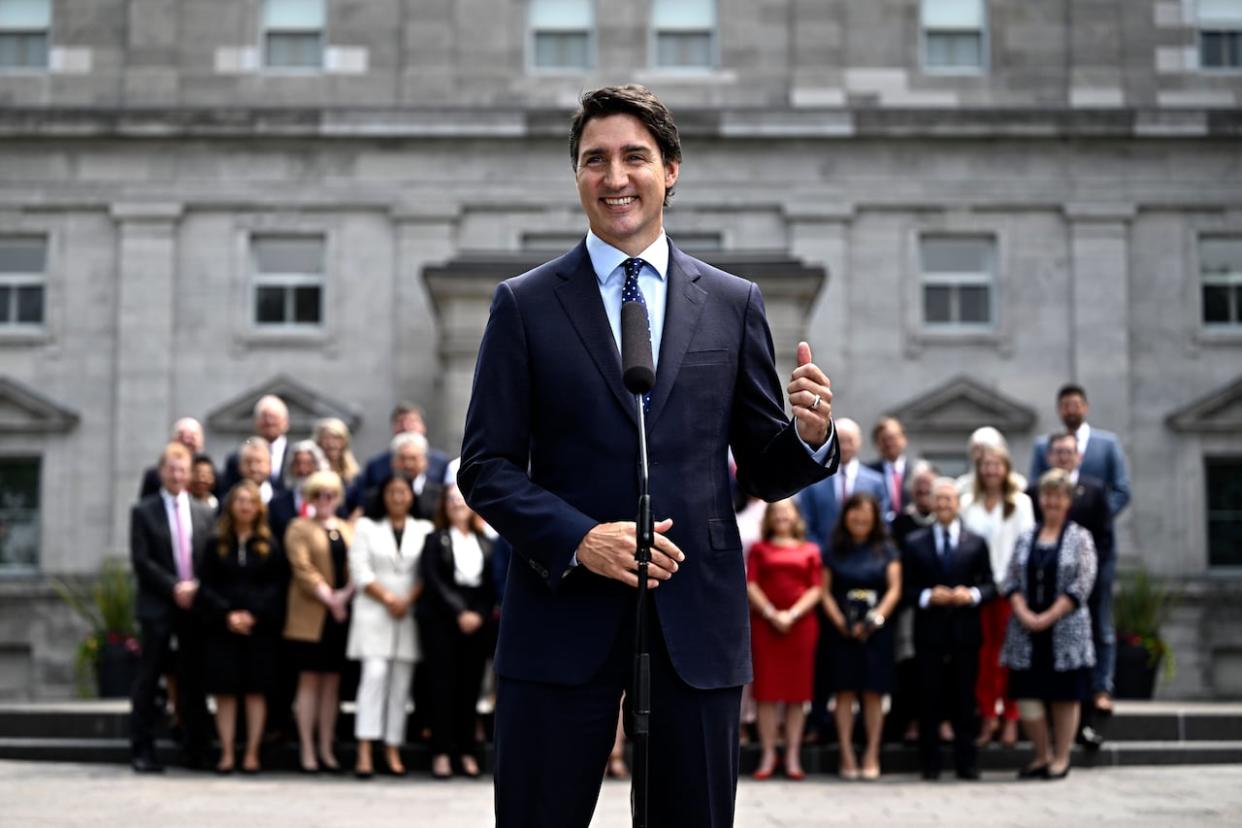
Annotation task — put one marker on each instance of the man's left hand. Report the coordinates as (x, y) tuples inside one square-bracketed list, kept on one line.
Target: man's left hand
[(810, 395)]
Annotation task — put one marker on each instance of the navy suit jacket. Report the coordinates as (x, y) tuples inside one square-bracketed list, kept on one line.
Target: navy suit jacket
[(820, 508), (551, 450), (937, 629), (1103, 460)]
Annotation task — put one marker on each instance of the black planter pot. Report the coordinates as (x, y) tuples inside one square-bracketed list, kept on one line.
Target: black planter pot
[(1133, 677), (115, 671)]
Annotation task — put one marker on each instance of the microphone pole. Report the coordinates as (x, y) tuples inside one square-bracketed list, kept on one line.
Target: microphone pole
[(638, 373)]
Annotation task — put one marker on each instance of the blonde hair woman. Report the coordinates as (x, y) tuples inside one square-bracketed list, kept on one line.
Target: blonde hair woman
[(332, 435), (317, 617), (997, 510)]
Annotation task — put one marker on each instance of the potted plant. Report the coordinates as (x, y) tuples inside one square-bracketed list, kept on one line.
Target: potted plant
[(111, 651), (1140, 608)]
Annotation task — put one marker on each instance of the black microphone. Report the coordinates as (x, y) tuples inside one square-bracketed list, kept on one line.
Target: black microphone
[(637, 367)]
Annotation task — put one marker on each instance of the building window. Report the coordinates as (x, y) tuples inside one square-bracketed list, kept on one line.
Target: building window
[(288, 281), (562, 34), (24, 27), (958, 274), (953, 35), (1220, 34), (1220, 266), (685, 33), (293, 34), (1224, 511), (19, 513), (23, 266)]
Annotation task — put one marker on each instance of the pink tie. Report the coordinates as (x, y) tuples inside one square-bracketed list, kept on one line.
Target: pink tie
[(185, 569), (896, 489)]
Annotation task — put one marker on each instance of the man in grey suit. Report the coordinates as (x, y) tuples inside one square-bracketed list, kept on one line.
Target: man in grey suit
[(1101, 458)]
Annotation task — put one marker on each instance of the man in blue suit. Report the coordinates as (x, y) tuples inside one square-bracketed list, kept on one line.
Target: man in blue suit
[(821, 505), (550, 460), (1100, 450), (1100, 459)]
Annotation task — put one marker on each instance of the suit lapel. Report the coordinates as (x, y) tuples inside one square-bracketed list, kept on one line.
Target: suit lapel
[(578, 294), (682, 310), (159, 519)]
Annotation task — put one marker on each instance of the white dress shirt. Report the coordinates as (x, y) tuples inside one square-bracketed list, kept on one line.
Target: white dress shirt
[(1083, 436), (954, 533), (847, 477), (277, 453)]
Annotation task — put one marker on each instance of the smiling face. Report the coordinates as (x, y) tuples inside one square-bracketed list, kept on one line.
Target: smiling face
[(622, 179)]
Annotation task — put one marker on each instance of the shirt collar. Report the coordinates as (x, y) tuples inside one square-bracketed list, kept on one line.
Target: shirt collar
[(1082, 435), (605, 259), (178, 499)]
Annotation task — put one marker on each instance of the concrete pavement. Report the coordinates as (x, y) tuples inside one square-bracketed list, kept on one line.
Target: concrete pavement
[(39, 794)]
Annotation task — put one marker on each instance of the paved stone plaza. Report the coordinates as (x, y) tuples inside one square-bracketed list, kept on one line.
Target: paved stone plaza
[(69, 795)]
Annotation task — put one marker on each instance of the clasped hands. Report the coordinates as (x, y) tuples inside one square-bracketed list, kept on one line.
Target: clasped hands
[(240, 622), (943, 596), (336, 600), (609, 550), (1036, 622)]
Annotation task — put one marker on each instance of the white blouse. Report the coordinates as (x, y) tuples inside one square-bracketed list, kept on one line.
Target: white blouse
[(468, 559), (1000, 532)]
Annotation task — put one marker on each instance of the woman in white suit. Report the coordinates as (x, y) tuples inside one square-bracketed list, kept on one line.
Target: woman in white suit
[(383, 563)]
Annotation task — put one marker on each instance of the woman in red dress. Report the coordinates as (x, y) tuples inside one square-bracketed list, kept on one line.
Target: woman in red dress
[(784, 573)]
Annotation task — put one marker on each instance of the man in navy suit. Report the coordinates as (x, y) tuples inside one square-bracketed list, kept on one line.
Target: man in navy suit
[(821, 505), (405, 417), (550, 460), (271, 422), (889, 437), (167, 540), (1099, 458), (948, 575)]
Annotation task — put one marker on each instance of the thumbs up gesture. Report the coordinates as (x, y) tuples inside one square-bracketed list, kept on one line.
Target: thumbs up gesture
[(810, 395)]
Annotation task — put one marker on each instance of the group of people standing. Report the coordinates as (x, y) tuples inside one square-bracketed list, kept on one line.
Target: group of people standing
[(973, 603), (259, 586)]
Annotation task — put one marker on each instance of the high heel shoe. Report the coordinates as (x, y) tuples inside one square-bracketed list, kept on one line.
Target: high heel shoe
[(1061, 774), (1033, 772)]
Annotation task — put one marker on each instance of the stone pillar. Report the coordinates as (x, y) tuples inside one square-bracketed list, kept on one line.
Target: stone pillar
[(142, 413), (819, 236), (425, 235), (1099, 239)]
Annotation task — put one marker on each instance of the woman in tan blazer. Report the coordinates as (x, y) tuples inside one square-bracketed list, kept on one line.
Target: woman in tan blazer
[(318, 612)]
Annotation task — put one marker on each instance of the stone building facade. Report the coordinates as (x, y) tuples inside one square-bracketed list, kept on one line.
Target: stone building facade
[(962, 204)]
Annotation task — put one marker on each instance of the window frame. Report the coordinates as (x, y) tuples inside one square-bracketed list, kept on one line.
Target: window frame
[(1210, 458), (265, 30), (961, 279), (653, 45), (1231, 279), (592, 50), (1205, 25), (288, 282), (985, 46), (40, 459), (19, 280), (47, 34)]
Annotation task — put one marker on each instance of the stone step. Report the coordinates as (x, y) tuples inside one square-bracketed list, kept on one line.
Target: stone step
[(819, 759), (1133, 722)]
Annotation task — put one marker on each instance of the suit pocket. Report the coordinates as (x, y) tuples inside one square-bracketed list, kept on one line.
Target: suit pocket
[(711, 356), (724, 536)]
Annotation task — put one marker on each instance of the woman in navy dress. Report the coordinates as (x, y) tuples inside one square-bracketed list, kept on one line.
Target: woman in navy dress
[(862, 585)]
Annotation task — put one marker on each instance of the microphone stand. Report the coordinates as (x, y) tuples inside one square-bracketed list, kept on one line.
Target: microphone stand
[(641, 700)]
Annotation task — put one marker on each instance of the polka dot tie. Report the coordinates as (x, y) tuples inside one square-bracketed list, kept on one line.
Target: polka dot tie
[(631, 293)]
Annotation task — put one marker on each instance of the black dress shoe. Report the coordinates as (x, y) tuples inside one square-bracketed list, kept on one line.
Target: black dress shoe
[(364, 774), (931, 775), (1037, 772), (968, 774), (1090, 738), (144, 763)]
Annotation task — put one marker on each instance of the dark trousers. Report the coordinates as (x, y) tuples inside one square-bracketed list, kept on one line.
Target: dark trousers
[(947, 679), (553, 741), (157, 637), (455, 664)]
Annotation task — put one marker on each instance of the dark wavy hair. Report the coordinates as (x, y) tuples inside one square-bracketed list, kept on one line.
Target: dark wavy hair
[(876, 540), (226, 530), (376, 510), (631, 99)]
